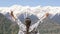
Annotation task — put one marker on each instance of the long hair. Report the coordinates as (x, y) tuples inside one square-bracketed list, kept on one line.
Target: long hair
[(28, 23)]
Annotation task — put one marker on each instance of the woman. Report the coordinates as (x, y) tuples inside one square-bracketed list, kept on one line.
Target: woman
[(27, 29)]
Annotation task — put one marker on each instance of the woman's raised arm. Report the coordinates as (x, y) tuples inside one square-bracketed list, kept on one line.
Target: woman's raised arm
[(21, 25)]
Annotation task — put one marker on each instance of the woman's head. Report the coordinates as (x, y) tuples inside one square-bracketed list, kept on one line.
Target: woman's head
[(28, 21)]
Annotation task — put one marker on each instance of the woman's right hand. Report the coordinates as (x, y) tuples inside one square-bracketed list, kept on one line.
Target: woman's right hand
[(12, 14)]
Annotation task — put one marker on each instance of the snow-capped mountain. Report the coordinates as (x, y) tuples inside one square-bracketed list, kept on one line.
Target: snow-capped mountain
[(38, 11), (49, 24)]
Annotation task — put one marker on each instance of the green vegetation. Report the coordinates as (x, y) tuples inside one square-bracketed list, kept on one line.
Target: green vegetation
[(49, 27), (7, 27)]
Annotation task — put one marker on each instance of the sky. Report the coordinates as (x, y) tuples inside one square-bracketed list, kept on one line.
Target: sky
[(7, 3)]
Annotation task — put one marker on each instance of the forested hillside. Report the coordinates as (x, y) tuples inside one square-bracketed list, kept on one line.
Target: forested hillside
[(7, 27)]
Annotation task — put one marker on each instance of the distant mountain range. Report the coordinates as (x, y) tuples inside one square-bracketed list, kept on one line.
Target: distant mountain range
[(47, 27), (50, 25), (18, 9)]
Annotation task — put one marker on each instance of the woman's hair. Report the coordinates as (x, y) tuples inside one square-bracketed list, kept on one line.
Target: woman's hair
[(28, 23)]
